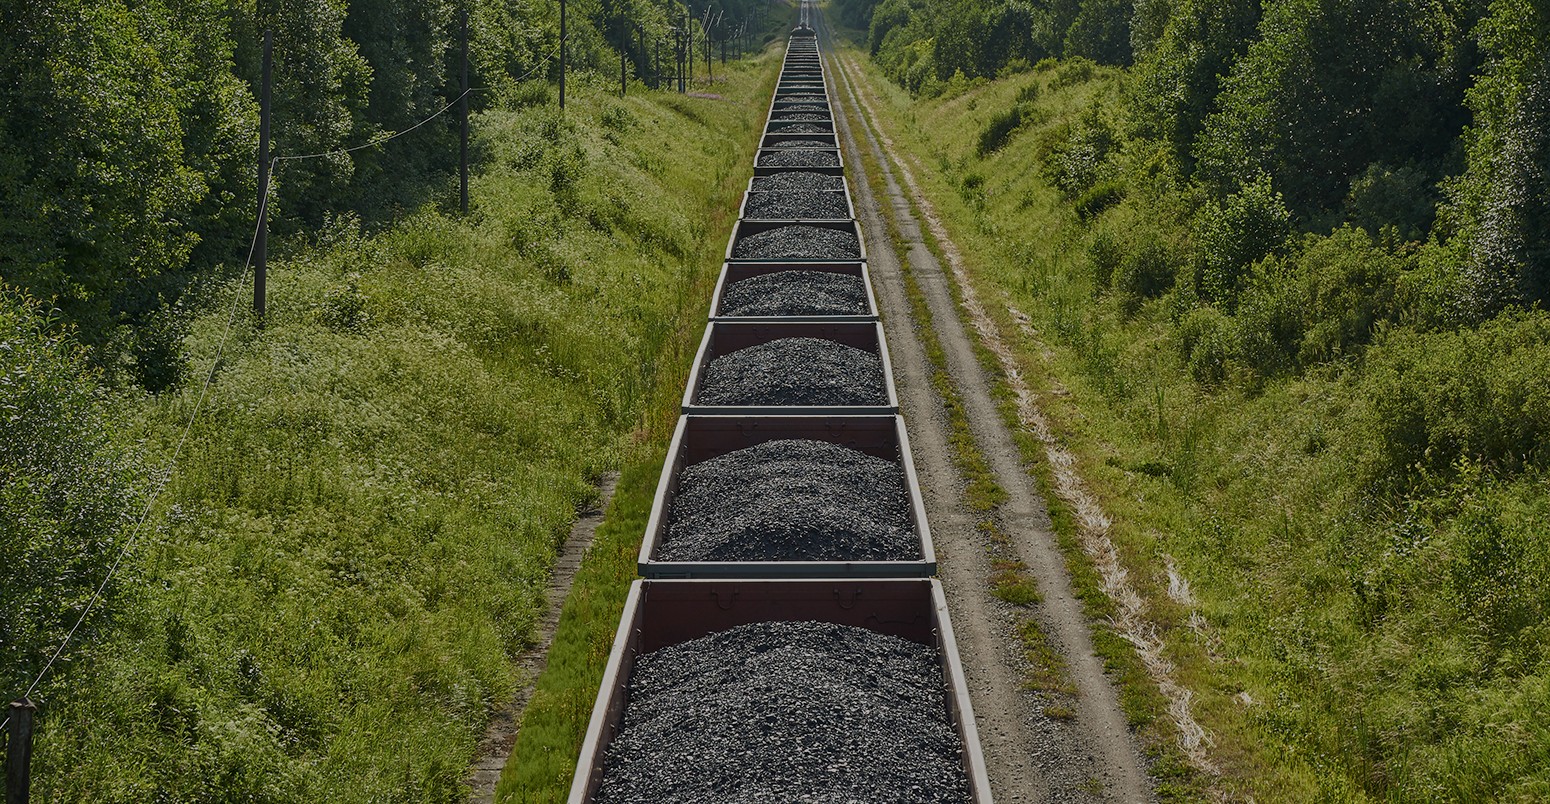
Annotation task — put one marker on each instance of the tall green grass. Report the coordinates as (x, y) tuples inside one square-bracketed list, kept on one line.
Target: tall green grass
[(354, 547), (1350, 488)]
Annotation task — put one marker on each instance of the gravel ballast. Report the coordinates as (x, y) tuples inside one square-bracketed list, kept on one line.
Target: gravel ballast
[(786, 712), (808, 116), (791, 500), (788, 293), (800, 157), (794, 205), (799, 242), (794, 371)]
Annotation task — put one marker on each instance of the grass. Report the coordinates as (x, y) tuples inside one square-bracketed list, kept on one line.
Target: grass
[(1346, 654), (354, 546), (544, 758)]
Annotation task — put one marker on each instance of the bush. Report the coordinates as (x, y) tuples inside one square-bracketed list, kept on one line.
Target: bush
[(1232, 236), (68, 490), (999, 130), (1148, 269), (1104, 255), (1434, 399), (1100, 197)]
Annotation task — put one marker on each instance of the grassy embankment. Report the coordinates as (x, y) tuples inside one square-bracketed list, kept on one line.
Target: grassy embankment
[(355, 543), (1372, 623), (542, 762)]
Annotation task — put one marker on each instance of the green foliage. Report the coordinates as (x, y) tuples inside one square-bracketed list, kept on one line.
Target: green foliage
[(1101, 32), (1178, 80), (1079, 156), (68, 492), (1504, 196), (1001, 127), (1331, 87), (1436, 398), (1232, 236)]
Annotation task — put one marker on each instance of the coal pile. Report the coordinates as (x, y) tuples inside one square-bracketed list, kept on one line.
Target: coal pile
[(794, 205), (800, 157), (802, 128), (799, 242), (791, 500), (798, 181), (814, 116), (785, 293), (786, 712), (801, 144), (794, 371)]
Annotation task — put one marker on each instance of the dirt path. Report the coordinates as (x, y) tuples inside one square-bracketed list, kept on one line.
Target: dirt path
[(1031, 755), (501, 735)]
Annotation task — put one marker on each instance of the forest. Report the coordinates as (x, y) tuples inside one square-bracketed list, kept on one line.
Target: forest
[(1295, 253)]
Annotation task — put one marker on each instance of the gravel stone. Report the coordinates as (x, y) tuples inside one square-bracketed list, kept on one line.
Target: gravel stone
[(800, 97), (794, 205), (795, 371), (800, 128), (800, 157), (798, 181), (801, 144), (808, 116), (791, 500), (807, 107), (799, 242), (786, 712)]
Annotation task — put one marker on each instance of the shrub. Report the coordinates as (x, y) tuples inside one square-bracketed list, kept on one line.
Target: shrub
[(1434, 399), (1148, 269), (1104, 255), (1234, 235), (999, 130), (1100, 197), (68, 490)]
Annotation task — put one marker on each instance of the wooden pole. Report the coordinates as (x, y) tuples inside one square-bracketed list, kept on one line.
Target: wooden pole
[(261, 240), (562, 54), (18, 752), (463, 103)]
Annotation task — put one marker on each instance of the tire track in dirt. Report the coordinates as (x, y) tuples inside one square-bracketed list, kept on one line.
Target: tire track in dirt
[(1032, 757), (501, 734)]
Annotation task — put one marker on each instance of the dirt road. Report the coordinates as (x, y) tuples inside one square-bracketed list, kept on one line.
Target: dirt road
[(1035, 751)]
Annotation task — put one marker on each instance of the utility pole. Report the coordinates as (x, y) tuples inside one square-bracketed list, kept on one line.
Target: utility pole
[(562, 55), (261, 239), (18, 752), (689, 46), (463, 102)]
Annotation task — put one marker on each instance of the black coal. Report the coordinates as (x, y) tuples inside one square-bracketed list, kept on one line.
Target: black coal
[(798, 242), (798, 181), (794, 371), (784, 293), (794, 205), (791, 500), (801, 144), (801, 128), (786, 712), (800, 157)]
